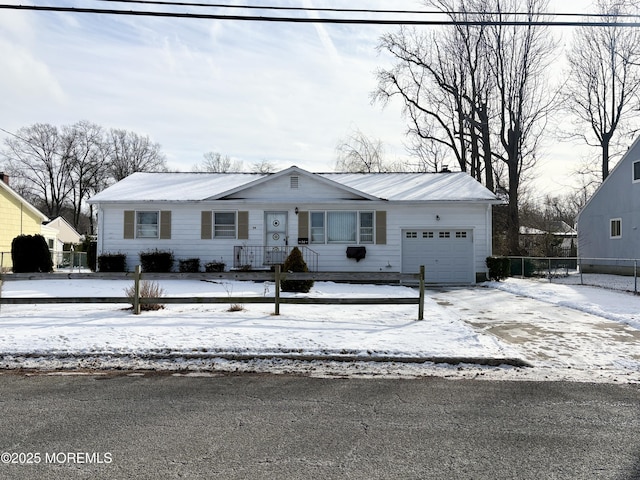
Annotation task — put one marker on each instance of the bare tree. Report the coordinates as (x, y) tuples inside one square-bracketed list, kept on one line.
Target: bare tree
[(520, 58), (604, 80), (89, 171), (446, 102), (360, 154), (128, 152), (40, 159), (214, 162), (478, 90), (264, 166)]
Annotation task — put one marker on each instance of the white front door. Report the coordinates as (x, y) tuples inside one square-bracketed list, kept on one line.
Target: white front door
[(275, 237)]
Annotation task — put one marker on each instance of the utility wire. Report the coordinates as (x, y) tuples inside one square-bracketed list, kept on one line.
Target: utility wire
[(366, 10), (352, 21)]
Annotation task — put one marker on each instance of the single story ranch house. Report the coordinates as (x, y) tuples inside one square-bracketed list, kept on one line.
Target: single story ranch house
[(374, 222)]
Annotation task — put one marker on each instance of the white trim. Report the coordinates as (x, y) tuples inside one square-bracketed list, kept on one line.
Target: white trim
[(633, 171), (611, 236), (135, 224), (213, 225)]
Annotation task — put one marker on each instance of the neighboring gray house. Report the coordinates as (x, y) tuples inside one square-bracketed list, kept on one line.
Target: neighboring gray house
[(391, 222), (608, 224)]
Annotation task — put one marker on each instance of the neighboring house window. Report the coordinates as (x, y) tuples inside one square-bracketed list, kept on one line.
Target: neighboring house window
[(147, 225), (224, 225), (342, 227), (616, 227), (636, 171)]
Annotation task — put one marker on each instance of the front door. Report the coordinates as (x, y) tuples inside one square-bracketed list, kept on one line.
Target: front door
[(275, 237)]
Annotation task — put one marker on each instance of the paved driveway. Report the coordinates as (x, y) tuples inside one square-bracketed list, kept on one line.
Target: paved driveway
[(560, 342)]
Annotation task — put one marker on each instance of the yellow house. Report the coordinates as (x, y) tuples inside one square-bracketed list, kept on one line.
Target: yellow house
[(17, 217)]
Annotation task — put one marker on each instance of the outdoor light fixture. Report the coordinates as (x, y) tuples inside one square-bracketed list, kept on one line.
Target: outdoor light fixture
[(438, 217), (296, 210)]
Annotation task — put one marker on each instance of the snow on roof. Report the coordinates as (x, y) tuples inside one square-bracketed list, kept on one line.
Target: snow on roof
[(415, 186), (386, 186), (173, 186)]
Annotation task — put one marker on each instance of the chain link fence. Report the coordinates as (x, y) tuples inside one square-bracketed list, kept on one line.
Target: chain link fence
[(615, 273), (62, 261)]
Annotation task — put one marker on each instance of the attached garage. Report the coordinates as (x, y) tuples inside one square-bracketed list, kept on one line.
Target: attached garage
[(447, 254)]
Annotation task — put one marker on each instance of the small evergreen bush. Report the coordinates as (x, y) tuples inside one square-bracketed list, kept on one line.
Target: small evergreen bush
[(295, 263), (499, 268), (112, 262), (156, 261), (190, 265), (30, 253)]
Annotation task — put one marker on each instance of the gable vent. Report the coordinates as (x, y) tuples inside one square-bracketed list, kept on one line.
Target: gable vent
[(294, 182)]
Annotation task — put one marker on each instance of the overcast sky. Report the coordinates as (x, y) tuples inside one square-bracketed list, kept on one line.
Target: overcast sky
[(285, 93)]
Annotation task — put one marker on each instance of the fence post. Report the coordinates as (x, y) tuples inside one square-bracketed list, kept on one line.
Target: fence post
[(635, 277), (277, 295), (421, 304), (522, 268), (136, 290)]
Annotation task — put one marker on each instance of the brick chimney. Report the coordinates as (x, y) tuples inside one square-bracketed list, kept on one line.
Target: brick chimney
[(4, 177)]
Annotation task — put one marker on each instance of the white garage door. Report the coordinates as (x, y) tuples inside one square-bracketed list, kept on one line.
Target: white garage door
[(447, 255)]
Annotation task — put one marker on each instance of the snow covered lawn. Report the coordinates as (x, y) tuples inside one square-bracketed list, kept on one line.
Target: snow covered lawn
[(195, 337), (369, 330)]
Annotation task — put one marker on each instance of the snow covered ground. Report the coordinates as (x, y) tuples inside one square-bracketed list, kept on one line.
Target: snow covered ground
[(206, 338)]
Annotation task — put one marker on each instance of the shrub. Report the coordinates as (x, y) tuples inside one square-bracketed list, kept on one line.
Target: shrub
[(30, 253), (156, 261), (147, 290), (190, 265), (295, 263), (499, 268), (91, 247), (214, 267), (112, 262)]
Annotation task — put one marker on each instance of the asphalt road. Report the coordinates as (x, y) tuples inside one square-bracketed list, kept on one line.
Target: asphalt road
[(286, 427)]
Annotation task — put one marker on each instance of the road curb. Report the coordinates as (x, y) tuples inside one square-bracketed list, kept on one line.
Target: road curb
[(12, 361)]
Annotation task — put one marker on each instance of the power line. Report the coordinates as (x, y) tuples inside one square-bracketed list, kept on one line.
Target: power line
[(367, 10), (353, 21)]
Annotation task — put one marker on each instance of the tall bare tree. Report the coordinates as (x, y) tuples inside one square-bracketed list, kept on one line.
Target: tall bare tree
[(520, 58), (89, 170), (477, 89), (129, 152), (38, 157), (604, 81)]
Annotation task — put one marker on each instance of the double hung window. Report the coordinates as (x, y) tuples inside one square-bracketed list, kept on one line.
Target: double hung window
[(224, 224), (147, 225)]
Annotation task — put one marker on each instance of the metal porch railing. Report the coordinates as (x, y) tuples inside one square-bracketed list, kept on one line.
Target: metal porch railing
[(252, 257)]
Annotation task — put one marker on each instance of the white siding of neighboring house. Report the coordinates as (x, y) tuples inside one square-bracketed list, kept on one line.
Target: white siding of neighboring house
[(185, 239)]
